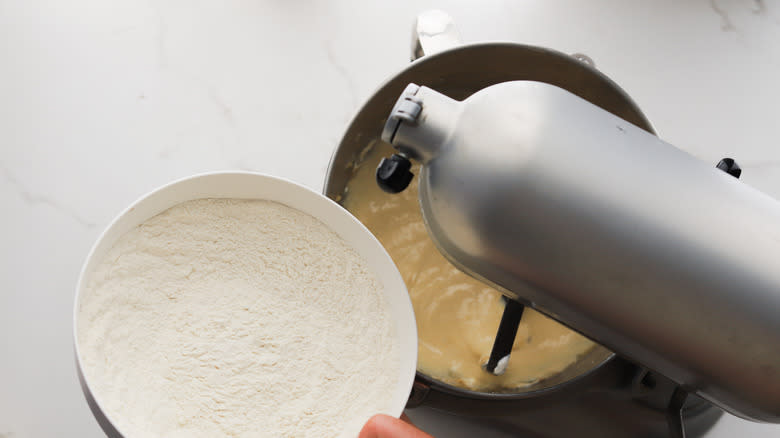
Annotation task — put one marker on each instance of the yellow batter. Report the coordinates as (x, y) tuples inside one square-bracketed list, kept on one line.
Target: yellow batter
[(457, 316)]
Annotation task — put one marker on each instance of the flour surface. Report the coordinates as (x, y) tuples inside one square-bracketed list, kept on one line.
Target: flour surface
[(236, 318)]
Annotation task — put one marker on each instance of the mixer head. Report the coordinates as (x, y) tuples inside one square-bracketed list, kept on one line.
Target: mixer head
[(571, 210)]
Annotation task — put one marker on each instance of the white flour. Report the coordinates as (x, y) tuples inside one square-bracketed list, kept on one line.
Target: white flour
[(236, 318)]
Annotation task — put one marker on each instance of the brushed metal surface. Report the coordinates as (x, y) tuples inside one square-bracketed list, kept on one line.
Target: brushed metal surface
[(603, 226)]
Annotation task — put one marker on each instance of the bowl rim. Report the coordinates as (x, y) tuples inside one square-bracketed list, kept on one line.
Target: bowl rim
[(465, 49)]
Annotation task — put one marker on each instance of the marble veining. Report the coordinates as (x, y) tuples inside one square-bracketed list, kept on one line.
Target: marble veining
[(222, 107), (726, 10), (339, 68), (32, 199), (161, 34), (726, 24)]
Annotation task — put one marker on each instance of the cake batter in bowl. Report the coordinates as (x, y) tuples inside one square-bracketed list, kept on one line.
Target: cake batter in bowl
[(457, 316)]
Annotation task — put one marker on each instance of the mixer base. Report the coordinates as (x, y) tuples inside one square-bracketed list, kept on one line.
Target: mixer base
[(619, 400), (600, 422)]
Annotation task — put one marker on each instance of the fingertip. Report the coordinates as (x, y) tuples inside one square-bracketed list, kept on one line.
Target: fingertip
[(373, 427), (385, 426)]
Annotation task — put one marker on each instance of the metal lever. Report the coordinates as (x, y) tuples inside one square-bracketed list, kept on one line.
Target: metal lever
[(674, 413), (505, 338)]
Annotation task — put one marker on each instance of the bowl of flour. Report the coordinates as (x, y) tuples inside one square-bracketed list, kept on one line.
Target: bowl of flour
[(235, 304)]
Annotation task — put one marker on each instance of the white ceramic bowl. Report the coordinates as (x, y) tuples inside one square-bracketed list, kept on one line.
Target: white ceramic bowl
[(247, 185)]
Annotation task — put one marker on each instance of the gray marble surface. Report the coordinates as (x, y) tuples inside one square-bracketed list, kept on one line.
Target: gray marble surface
[(103, 100)]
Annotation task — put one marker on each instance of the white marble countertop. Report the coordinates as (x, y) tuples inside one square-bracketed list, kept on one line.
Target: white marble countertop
[(101, 101)]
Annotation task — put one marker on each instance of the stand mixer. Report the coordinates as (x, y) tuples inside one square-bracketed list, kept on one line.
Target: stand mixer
[(572, 205), (604, 227)]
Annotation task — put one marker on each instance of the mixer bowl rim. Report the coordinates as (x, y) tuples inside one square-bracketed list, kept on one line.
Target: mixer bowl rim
[(463, 50), (468, 47)]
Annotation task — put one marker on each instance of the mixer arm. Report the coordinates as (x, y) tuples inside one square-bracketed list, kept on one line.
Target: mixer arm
[(604, 227)]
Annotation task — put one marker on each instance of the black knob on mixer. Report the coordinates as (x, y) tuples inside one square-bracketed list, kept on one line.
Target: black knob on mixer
[(730, 166), (393, 174)]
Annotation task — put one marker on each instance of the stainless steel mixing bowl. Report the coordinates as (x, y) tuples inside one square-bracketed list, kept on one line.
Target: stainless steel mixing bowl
[(459, 72)]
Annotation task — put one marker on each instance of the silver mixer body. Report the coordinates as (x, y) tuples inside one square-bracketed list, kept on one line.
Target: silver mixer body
[(602, 395), (601, 225)]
